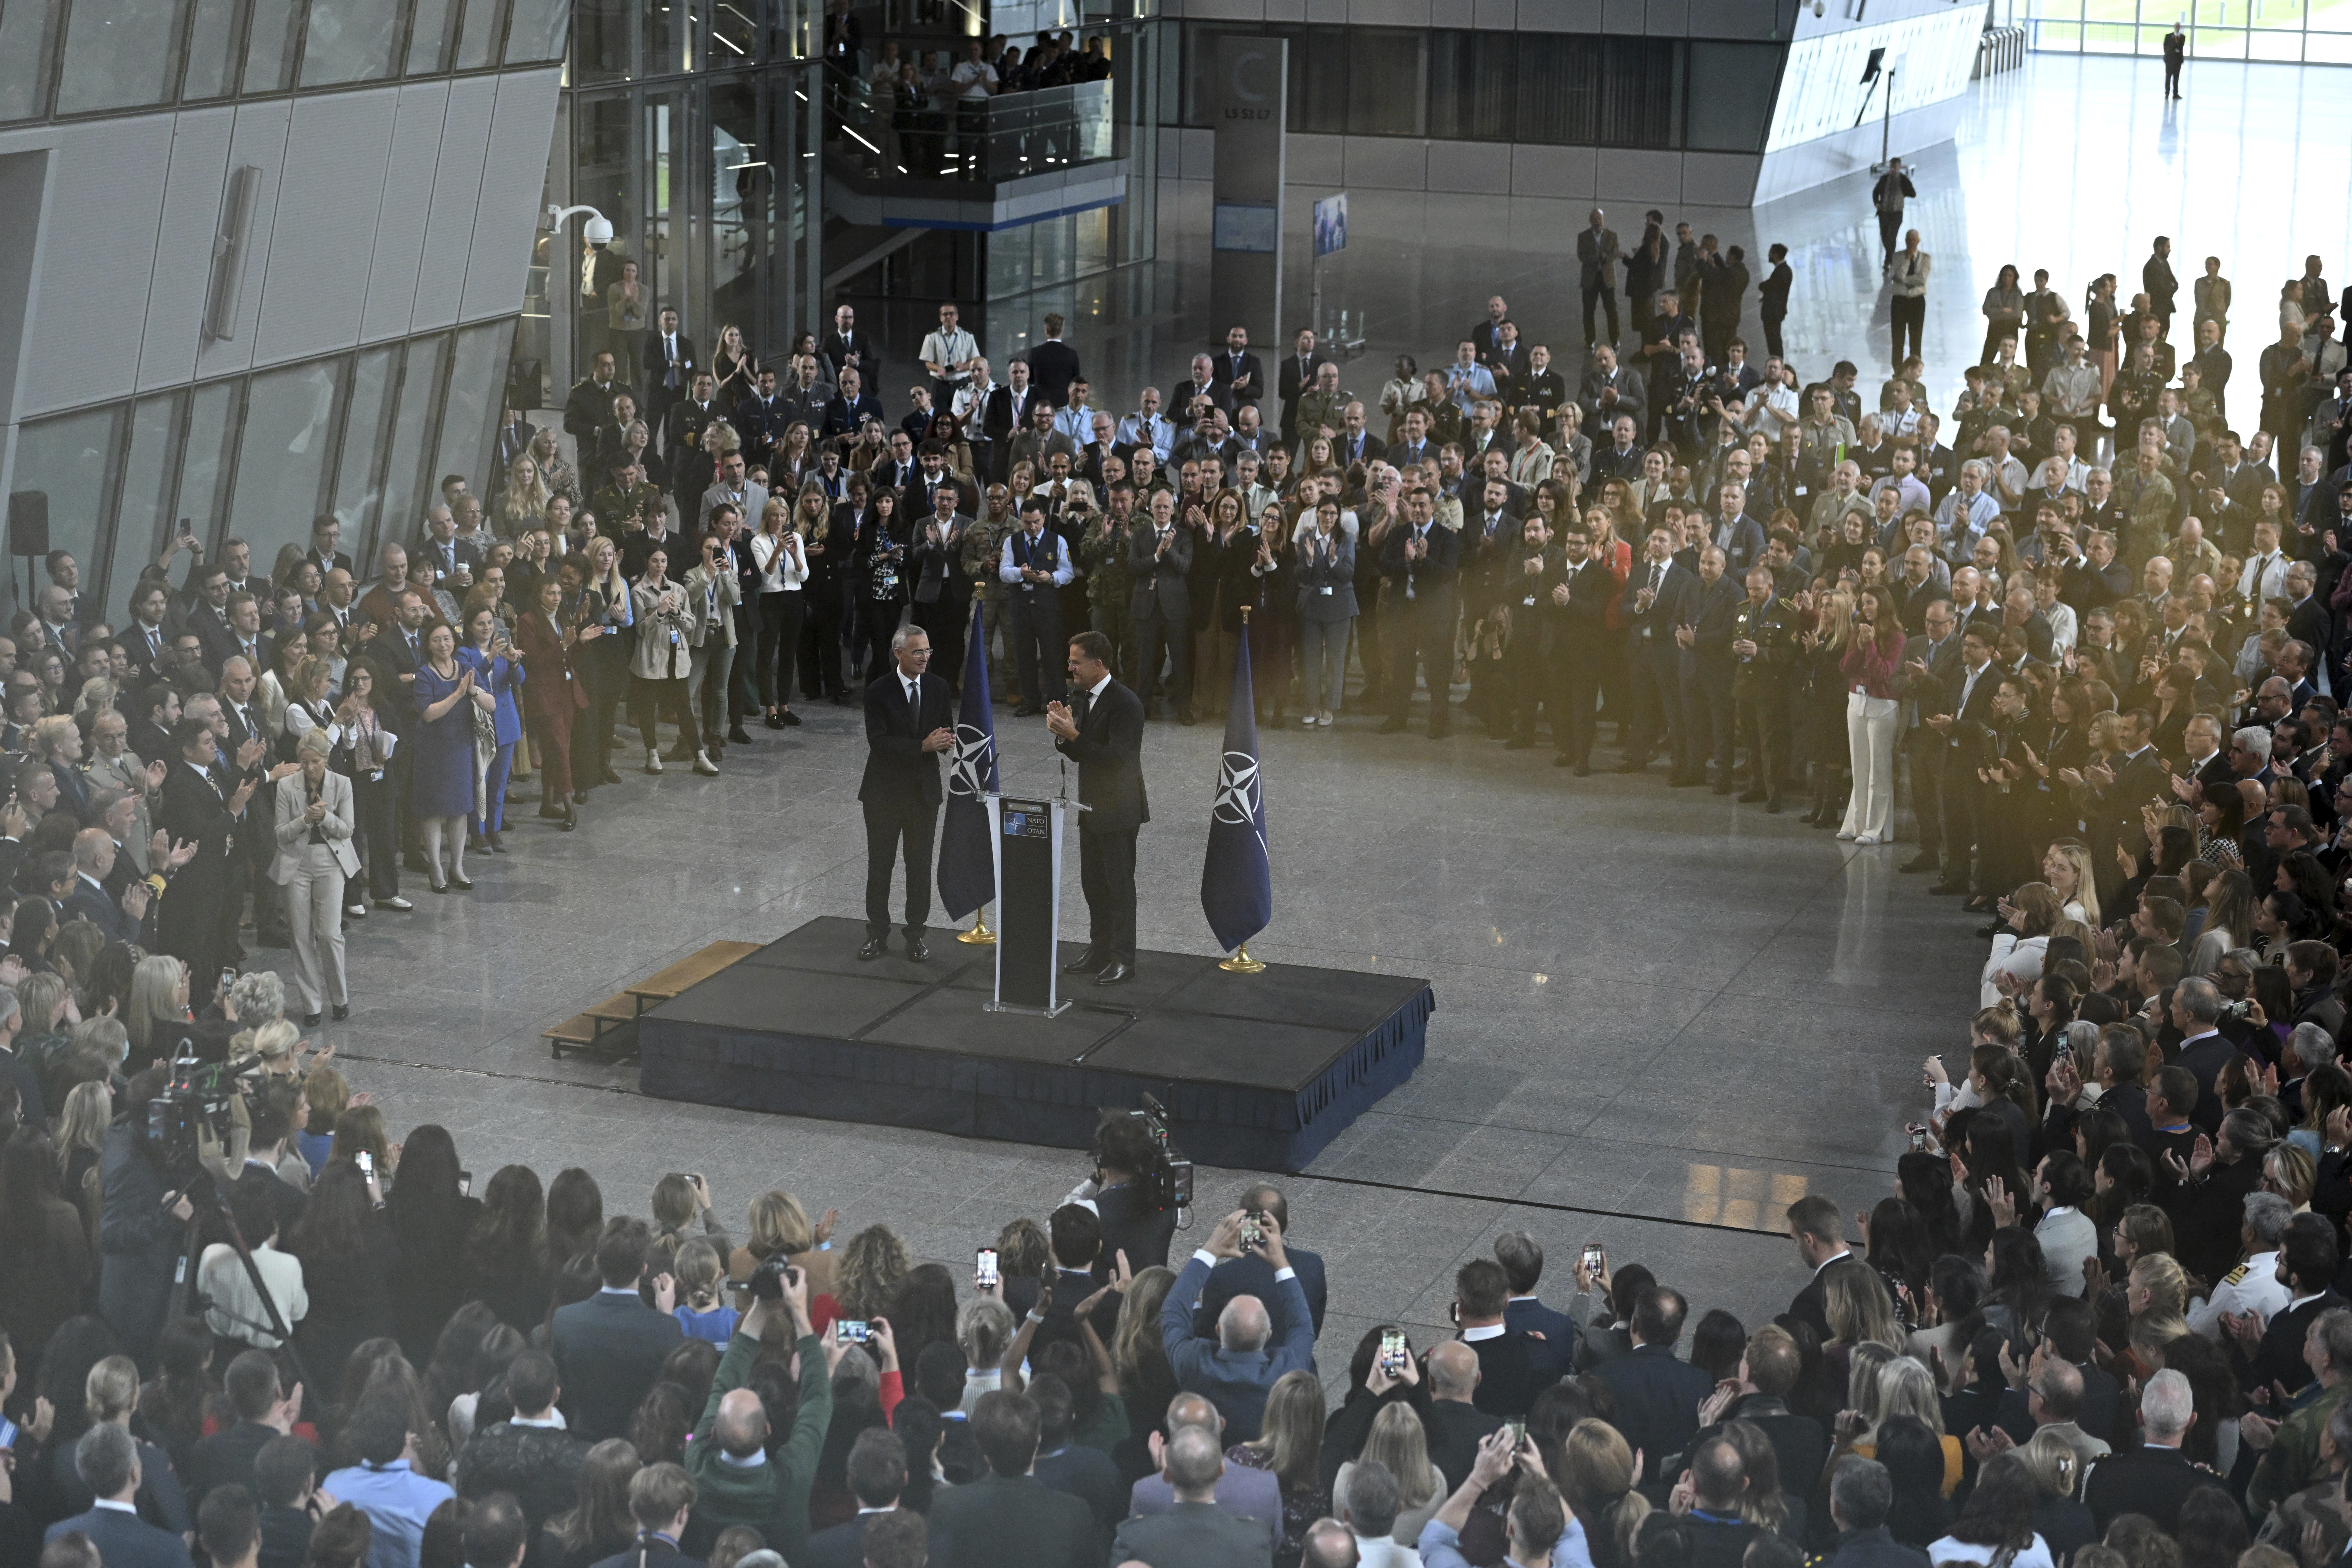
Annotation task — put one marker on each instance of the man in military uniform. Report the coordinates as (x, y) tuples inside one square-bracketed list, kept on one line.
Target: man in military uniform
[(1763, 644), (628, 494), (1102, 557), (683, 425), (984, 542), (1322, 406)]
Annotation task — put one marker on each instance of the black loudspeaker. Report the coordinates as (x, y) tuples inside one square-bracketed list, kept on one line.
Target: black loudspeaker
[(28, 523), (523, 380)]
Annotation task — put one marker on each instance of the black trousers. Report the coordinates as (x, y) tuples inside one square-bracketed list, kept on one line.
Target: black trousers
[(1658, 703), (1910, 315), (1926, 754), (1890, 230), (1579, 682), (1605, 296), (1036, 641), (1153, 633), (1763, 705), (820, 644), (779, 644), (1107, 875), (885, 830), (376, 805), (942, 621), (2172, 78), (877, 623), (1772, 333), (1421, 635), (1708, 711)]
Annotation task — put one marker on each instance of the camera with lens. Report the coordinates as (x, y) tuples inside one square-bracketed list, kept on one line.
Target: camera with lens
[(200, 1097), (768, 1279)]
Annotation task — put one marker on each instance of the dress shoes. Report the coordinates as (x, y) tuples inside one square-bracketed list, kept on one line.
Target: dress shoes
[(311, 1020), (774, 722), (462, 885), (1025, 711), (1117, 970), (551, 808), (874, 947), (786, 719), (738, 736), (918, 949), (497, 841), (1086, 962), (1920, 863), (1772, 805), (395, 902), (342, 1012)]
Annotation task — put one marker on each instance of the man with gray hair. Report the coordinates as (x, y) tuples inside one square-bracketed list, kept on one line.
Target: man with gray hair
[(107, 1460), (1252, 1495), (2293, 1457), (2153, 1478), (1371, 1511), (1861, 1493), (2250, 754), (2252, 1288), (1195, 1530), (1238, 1371)]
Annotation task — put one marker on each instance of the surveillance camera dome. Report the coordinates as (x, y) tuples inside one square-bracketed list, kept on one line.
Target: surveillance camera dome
[(598, 231)]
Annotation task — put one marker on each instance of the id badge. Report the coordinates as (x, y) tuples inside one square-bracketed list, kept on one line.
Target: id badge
[(1326, 590)]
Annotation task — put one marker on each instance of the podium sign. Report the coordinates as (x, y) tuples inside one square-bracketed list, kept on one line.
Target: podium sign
[(1026, 836)]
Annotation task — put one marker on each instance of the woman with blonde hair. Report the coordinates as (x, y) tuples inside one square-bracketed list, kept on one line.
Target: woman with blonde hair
[(2066, 867), (522, 502), (1146, 1382), (780, 556), (781, 1228), (1859, 1309), (157, 1018), (1398, 1441), (1906, 1388), (2228, 921), (1290, 1444), (1866, 672), (732, 367), (1597, 1481), (2156, 1294), (1822, 649)]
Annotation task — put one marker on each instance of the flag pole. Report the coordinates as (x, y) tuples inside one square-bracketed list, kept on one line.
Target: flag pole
[(1240, 962), (979, 935)]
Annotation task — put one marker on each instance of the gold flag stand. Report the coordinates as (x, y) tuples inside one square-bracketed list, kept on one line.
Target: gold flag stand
[(1240, 962), (979, 935)]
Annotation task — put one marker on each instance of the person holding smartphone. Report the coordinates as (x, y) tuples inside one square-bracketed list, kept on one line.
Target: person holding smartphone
[(497, 669)]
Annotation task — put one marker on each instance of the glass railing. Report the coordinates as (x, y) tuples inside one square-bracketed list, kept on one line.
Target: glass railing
[(1007, 137)]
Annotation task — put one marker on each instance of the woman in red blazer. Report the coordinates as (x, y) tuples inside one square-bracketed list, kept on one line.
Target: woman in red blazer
[(554, 693)]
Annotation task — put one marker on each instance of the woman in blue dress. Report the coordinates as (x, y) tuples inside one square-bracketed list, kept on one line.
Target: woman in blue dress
[(497, 669), (441, 786)]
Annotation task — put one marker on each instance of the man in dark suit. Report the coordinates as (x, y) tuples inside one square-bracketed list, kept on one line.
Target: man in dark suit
[(263, 1413), (107, 1460), (196, 924), (1053, 365), (2307, 1261), (1069, 1467), (2153, 1478), (1928, 661), (668, 359), (1296, 375), (761, 417), (1006, 414), (1862, 1494), (877, 1474), (1238, 375), (1583, 647), (1252, 1275), (1703, 638), (1008, 1518), (846, 348), (1421, 562), (1657, 1395), (1194, 1533), (851, 407), (1101, 728), (1160, 607), (1522, 1259), (530, 1455), (1963, 718), (1817, 1226), (609, 1348), (909, 724), (1771, 1368), (1457, 1425), (1514, 1366), (1597, 255), (1656, 600), (588, 408), (1608, 390)]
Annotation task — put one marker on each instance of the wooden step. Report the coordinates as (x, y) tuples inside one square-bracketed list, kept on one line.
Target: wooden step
[(688, 973), (583, 1031)]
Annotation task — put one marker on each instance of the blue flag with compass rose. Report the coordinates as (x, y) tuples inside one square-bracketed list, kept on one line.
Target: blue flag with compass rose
[(966, 870), (1236, 878)]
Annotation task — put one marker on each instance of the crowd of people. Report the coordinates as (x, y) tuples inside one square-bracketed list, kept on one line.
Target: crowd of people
[(284, 1338)]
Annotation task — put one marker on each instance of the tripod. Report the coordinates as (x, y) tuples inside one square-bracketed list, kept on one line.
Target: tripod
[(188, 1295)]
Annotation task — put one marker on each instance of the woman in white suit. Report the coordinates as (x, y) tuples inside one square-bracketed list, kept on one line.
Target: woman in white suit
[(314, 860)]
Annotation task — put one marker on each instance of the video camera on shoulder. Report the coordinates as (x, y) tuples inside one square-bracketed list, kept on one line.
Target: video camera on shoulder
[(199, 1096)]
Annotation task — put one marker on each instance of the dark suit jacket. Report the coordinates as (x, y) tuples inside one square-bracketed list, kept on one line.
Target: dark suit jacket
[(1290, 381), (124, 1540), (1673, 605), (653, 363), (1631, 398), (1513, 1368), (1658, 1401), (609, 1349), (1087, 1474), (837, 349), (16, 1071), (1433, 573), (1228, 382), (1157, 578), (227, 1457), (1526, 1314), (91, 904), (1709, 610), (842, 1546), (1455, 1430), (901, 774), (1191, 1535), (1053, 365), (2141, 1480), (1251, 1275), (1108, 751), (1012, 1522)]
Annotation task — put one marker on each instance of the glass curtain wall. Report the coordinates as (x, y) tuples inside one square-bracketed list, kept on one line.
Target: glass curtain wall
[(364, 436), (2314, 32), (73, 57)]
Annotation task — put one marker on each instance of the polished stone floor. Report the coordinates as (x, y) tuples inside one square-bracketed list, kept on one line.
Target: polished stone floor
[(1660, 1018)]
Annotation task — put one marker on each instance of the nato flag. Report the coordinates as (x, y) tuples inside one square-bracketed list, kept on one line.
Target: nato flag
[(1236, 879), (967, 873)]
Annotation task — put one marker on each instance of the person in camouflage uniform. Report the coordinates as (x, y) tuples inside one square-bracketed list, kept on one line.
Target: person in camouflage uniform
[(1102, 554), (983, 541)]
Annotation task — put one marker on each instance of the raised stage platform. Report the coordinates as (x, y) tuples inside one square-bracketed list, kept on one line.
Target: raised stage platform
[(1257, 1071)]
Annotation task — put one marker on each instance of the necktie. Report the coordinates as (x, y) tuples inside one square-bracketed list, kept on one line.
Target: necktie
[(1657, 574)]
